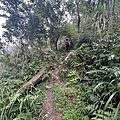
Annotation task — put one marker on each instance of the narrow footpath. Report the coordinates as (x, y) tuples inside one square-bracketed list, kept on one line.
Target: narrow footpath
[(48, 111)]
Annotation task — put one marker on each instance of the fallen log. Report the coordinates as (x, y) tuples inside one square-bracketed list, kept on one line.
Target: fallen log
[(67, 59), (26, 86), (70, 54)]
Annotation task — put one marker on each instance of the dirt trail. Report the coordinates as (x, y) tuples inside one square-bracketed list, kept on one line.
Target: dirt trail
[(49, 112)]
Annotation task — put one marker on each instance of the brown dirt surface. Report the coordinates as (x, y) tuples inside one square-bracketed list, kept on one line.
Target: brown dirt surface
[(48, 111)]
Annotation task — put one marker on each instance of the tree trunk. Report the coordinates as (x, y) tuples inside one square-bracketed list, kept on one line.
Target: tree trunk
[(56, 42), (78, 17)]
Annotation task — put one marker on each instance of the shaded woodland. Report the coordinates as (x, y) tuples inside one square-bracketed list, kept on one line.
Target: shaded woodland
[(34, 40)]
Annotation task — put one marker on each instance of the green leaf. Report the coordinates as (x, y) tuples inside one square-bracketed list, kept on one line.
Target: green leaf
[(116, 113), (110, 98), (97, 86), (23, 116), (21, 105)]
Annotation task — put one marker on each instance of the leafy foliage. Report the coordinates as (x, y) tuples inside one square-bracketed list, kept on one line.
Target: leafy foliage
[(99, 71), (26, 107), (67, 100), (92, 76)]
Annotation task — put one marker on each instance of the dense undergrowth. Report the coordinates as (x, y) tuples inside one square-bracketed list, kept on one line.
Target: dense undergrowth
[(34, 30), (92, 79), (91, 92), (91, 74), (29, 105)]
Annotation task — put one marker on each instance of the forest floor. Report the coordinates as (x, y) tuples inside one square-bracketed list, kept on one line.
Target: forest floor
[(49, 112)]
